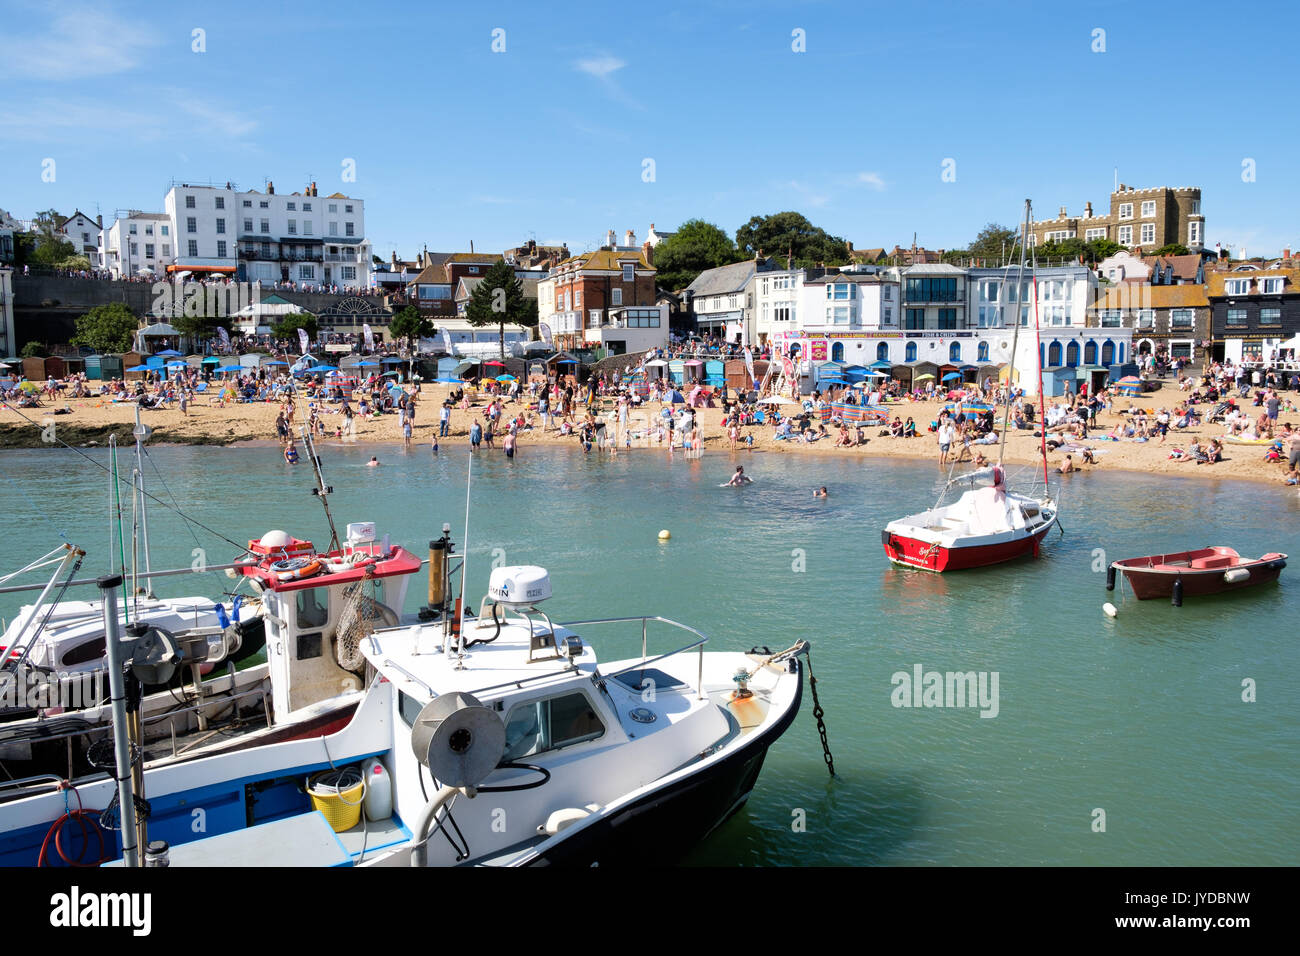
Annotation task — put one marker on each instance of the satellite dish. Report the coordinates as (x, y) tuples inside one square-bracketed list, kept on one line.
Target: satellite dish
[(458, 739)]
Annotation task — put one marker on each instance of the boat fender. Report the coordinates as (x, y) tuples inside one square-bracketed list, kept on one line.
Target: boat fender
[(1177, 599), (1276, 565), (1236, 575), (357, 559), (1110, 578), (1110, 609)]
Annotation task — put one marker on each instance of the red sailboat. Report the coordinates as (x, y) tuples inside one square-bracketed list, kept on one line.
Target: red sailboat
[(987, 524)]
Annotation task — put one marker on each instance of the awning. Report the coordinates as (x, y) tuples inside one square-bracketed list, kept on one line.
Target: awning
[(180, 268)]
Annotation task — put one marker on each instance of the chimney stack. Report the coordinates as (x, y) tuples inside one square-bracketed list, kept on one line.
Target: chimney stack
[(609, 239), (1062, 212), (629, 238), (648, 251), (270, 188), (1286, 253), (1087, 210)]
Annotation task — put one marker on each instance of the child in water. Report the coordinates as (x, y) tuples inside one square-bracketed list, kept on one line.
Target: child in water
[(291, 454)]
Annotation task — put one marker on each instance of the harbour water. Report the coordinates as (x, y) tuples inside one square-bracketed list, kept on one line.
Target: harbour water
[(1136, 722)]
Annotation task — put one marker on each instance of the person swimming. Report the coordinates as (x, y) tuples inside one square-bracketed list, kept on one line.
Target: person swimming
[(291, 454), (739, 478), (821, 492), (373, 462)]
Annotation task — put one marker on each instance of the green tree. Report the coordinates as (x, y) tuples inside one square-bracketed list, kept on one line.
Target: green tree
[(790, 233), (51, 252), (1098, 249), (993, 242), (693, 248), (499, 300), (107, 328), (33, 350), (410, 325), (1173, 249), (287, 327)]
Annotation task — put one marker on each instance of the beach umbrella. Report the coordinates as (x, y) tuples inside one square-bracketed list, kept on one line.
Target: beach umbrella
[(495, 364), (777, 400), (947, 378), (506, 378), (922, 378), (141, 368), (211, 360), (367, 365), (276, 362), (1129, 380), (29, 387), (167, 352)]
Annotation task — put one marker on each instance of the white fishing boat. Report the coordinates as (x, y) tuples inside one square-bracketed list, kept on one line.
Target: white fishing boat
[(586, 762)]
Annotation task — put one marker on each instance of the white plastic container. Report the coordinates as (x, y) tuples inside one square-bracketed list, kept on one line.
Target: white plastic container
[(379, 790)]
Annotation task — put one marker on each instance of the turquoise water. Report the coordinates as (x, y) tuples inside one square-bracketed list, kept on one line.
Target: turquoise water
[(1140, 716)]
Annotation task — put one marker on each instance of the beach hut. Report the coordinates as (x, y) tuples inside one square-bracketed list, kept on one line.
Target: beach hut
[(1055, 380), (715, 374), (827, 372), (677, 371), (447, 368), (655, 369), (56, 367), (537, 371), (110, 367), (94, 367), (34, 369)]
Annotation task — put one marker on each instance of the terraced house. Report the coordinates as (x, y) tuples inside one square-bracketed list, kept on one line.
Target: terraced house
[(1255, 308), (1170, 320), (604, 298)]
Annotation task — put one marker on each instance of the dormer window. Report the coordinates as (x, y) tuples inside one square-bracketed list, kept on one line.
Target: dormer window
[(1271, 286), (629, 272), (1236, 287)]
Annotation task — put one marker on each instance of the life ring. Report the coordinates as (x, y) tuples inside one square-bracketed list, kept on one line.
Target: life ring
[(295, 569), (357, 559)]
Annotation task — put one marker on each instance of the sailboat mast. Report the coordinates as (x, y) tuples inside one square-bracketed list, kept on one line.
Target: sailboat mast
[(1015, 335), (1038, 352)]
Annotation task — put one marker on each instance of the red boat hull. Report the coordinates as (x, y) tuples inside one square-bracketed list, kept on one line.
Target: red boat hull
[(925, 556), (1154, 577)]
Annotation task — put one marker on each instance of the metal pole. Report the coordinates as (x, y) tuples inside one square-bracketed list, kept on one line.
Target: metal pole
[(144, 508), (121, 745)]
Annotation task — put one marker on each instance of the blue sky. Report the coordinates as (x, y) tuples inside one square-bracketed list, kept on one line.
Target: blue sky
[(453, 142)]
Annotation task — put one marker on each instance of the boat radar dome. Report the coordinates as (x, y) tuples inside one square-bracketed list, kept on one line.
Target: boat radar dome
[(519, 586), (275, 539)]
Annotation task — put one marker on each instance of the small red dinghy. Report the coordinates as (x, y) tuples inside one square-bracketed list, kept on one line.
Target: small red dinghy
[(1205, 571)]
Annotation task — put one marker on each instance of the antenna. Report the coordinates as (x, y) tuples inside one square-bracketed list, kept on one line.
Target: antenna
[(321, 490)]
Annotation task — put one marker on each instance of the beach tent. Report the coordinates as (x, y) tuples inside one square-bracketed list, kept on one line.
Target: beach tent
[(674, 397)]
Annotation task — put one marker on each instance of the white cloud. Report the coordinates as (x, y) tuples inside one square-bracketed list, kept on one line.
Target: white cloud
[(49, 120), (810, 195), (77, 43), (871, 179), (601, 67)]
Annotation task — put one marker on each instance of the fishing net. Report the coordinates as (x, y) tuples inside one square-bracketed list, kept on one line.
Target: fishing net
[(362, 615)]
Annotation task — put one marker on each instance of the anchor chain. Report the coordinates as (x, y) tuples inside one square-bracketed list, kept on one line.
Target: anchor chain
[(819, 713)]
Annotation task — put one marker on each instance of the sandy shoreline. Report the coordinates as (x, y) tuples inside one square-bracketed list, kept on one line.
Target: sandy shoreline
[(253, 425)]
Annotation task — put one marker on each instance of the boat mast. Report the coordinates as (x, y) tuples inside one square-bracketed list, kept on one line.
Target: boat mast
[(1038, 352), (321, 490), (1015, 336), (142, 432)]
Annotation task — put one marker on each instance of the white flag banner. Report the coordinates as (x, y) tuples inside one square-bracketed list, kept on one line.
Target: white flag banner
[(302, 340), (369, 337), (224, 336), (446, 342), (544, 331), (749, 365)]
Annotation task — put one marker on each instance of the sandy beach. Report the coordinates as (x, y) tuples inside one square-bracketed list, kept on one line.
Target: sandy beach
[(255, 422)]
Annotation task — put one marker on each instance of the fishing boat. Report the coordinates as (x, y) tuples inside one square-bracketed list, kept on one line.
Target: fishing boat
[(1194, 573), (231, 688), (585, 762), (987, 523)]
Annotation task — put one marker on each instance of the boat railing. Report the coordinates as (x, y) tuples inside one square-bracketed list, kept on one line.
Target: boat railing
[(220, 702), (645, 625)]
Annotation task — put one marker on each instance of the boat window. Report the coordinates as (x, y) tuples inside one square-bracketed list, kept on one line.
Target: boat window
[(408, 708), (309, 646), (659, 680), (313, 607), (90, 651), (540, 725)]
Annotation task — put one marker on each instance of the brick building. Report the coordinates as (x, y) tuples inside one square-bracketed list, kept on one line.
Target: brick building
[(1254, 309), (606, 297), (1171, 320), (1145, 218)]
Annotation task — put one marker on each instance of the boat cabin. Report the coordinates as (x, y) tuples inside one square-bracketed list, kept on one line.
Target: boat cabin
[(316, 607)]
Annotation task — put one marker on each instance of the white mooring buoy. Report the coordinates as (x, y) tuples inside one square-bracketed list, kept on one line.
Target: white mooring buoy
[(664, 535), (1110, 609)]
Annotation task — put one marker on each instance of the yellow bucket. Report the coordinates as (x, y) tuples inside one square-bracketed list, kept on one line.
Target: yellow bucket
[(341, 808)]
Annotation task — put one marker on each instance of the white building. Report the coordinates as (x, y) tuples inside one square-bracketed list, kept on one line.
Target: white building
[(137, 242), (7, 339), (304, 238), (83, 232), (854, 320), (776, 303), (722, 301), (654, 237)]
